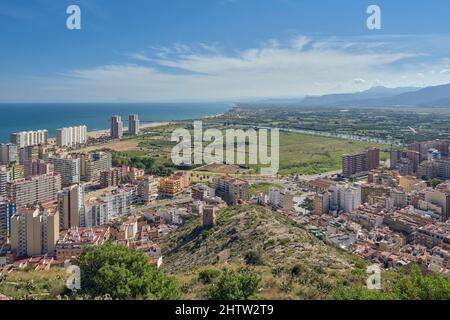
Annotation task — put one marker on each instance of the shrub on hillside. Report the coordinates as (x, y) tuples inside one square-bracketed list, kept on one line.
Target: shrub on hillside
[(235, 285), (122, 273)]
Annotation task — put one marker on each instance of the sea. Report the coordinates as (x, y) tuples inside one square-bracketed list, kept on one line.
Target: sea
[(15, 117)]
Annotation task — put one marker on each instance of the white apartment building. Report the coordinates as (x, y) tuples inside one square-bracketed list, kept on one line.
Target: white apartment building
[(5, 177), (29, 138), (71, 136), (100, 210), (147, 190), (121, 201), (42, 188), (94, 164), (280, 199), (68, 167), (97, 213), (344, 197)]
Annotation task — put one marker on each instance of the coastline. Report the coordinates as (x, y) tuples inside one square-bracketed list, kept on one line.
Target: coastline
[(105, 132), (96, 115), (95, 134)]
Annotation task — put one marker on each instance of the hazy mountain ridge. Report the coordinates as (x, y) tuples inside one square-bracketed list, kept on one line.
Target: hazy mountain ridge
[(432, 96), (348, 98), (426, 97)]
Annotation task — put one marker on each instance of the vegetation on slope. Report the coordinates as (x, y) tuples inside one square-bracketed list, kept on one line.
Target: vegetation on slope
[(252, 253), (263, 187), (285, 260), (244, 228), (292, 263), (28, 285), (406, 284), (122, 273), (234, 285)]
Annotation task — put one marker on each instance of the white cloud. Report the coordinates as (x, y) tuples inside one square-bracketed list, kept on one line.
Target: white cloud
[(276, 59), (300, 42), (359, 81), (138, 56), (204, 71)]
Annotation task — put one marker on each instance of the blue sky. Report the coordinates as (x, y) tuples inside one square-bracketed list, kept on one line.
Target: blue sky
[(171, 50)]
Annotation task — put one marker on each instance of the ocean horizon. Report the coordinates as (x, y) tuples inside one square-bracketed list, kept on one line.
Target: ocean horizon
[(51, 116)]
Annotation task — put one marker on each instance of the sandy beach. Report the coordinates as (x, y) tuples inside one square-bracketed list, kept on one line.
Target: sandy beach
[(118, 145), (100, 133)]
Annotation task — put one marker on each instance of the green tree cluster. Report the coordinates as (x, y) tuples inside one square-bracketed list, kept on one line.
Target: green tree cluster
[(150, 165), (122, 273), (235, 285)]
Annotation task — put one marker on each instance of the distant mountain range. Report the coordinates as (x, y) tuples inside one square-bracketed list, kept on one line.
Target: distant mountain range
[(434, 96)]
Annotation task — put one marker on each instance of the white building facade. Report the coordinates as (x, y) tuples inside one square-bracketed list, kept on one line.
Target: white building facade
[(71, 136)]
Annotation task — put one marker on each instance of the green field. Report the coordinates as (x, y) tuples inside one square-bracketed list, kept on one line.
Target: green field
[(263, 187), (299, 153), (309, 154), (30, 285)]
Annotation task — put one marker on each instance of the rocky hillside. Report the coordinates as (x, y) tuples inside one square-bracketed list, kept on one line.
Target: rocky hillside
[(242, 229), (292, 262)]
